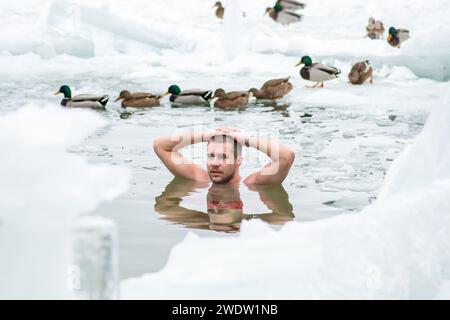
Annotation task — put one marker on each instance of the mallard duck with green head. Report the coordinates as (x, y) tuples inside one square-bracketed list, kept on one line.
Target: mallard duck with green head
[(220, 10), (193, 96), (397, 36), (82, 100), (290, 5), (230, 100), (273, 89), (282, 16), (360, 73), (138, 99), (317, 72)]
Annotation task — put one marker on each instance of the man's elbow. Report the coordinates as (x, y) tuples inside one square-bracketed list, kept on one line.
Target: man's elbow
[(289, 156), (156, 145)]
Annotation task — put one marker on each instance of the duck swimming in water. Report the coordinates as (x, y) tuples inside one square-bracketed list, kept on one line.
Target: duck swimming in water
[(138, 99), (317, 72), (82, 100), (193, 96), (273, 89), (230, 100)]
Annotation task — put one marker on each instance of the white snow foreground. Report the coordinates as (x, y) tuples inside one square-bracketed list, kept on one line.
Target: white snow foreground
[(43, 189), (397, 248)]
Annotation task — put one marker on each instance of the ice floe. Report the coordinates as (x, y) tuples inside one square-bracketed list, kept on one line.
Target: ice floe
[(44, 188)]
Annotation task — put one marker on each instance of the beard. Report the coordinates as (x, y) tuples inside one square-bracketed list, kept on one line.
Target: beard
[(222, 179)]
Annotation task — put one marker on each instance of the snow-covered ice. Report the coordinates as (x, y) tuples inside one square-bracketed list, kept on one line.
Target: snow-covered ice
[(44, 188)]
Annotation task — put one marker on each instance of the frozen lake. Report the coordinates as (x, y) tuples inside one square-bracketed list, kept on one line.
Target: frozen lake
[(345, 137), (342, 156), (342, 153)]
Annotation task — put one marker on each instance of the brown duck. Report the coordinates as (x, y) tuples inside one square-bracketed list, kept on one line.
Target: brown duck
[(273, 89), (230, 100), (360, 72), (220, 10), (375, 29), (138, 99)]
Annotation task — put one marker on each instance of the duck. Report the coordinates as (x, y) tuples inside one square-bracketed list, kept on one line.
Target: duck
[(220, 10), (375, 29), (282, 16), (317, 72), (273, 89), (230, 100), (360, 72), (81, 100), (193, 96), (138, 99), (290, 5), (397, 36)]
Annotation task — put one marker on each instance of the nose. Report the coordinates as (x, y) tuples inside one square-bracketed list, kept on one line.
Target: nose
[(214, 162)]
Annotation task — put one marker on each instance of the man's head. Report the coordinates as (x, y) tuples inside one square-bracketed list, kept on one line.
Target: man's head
[(224, 158)]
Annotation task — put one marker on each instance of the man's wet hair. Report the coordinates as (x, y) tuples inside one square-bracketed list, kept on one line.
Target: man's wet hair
[(237, 147)]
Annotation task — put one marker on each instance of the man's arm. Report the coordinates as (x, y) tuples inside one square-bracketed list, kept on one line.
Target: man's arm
[(282, 158), (167, 147)]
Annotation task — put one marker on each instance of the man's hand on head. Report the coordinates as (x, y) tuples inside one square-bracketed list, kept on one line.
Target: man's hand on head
[(234, 133)]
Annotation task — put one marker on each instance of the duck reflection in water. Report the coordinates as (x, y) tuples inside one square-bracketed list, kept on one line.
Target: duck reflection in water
[(224, 209)]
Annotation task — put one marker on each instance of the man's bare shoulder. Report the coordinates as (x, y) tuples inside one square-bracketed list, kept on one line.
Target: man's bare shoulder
[(200, 175)]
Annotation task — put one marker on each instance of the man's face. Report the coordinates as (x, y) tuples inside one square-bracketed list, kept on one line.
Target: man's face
[(221, 163)]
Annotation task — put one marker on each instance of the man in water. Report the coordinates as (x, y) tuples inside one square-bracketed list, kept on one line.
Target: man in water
[(224, 157)]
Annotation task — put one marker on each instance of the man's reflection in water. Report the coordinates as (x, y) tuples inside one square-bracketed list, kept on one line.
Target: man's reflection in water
[(225, 208)]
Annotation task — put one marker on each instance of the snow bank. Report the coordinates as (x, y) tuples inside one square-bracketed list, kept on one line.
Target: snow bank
[(396, 248), (187, 33), (43, 189), (424, 162)]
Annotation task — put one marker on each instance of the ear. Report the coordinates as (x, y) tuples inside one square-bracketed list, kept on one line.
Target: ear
[(239, 160)]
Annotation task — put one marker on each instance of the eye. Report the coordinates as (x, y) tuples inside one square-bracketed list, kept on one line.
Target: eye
[(210, 155)]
